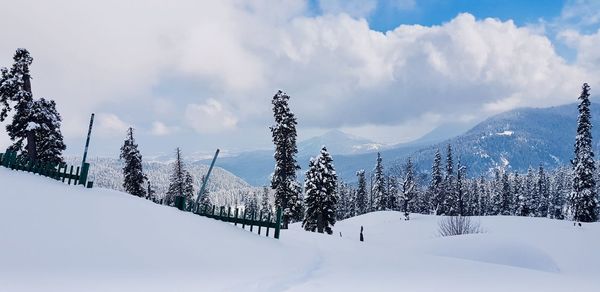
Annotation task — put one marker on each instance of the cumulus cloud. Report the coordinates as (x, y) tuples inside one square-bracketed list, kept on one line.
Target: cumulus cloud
[(210, 117), (160, 129), (110, 125), (92, 55)]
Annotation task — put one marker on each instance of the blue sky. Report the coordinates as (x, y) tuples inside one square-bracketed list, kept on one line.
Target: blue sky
[(200, 74)]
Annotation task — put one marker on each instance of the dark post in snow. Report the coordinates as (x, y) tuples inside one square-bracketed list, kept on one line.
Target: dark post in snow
[(362, 238), (212, 164), (87, 141)]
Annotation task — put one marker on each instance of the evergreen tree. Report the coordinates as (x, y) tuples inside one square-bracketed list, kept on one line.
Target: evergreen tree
[(517, 193), (204, 202), (460, 192), (45, 122), (380, 196), (526, 200), (342, 209), (133, 174), (435, 187), (558, 195), (252, 206), (484, 198), (583, 197), (266, 209), (321, 197), (150, 192), (409, 187), (361, 193), (543, 193), (392, 193), (181, 182), (448, 186), (283, 181), (505, 196), (16, 87)]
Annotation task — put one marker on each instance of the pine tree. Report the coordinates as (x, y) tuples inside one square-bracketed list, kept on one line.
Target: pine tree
[(361, 193), (266, 209), (45, 123), (505, 196), (448, 187), (517, 193), (150, 192), (460, 191), (526, 200), (380, 196), (17, 88), (583, 197), (409, 187), (283, 181), (392, 193), (181, 182), (558, 195), (252, 206), (436, 187), (132, 171), (321, 194), (204, 202), (543, 193), (342, 208)]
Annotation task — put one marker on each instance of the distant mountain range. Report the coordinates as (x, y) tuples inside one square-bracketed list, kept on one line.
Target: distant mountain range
[(513, 140)]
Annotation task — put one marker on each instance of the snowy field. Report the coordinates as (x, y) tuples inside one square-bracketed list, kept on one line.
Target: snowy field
[(55, 237)]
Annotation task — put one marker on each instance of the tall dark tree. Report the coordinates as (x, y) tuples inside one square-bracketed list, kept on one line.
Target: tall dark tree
[(283, 181), (460, 191), (409, 188), (583, 197), (181, 182), (16, 88), (380, 195), (436, 185), (361, 193), (266, 209), (321, 194), (543, 193), (150, 192), (505, 195), (449, 189), (133, 174)]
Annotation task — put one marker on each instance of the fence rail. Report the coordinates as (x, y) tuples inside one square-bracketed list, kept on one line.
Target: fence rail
[(58, 171), (243, 218)]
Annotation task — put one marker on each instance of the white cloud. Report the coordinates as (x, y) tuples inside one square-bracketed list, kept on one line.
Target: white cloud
[(111, 125), (160, 129), (210, 117), (95, 55)]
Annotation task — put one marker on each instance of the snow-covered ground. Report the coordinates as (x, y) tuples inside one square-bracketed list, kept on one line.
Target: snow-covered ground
[(55, 237)]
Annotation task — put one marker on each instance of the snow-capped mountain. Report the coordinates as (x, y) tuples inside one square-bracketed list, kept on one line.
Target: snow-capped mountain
[(515, 140)]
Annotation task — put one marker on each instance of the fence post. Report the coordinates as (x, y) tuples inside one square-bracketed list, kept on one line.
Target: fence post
[(244, 220), (85, 167), (236, 217), (277, 223), (268, 221)]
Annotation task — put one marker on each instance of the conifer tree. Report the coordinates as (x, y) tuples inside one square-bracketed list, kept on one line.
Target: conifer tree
[(361, 193), (558, 195), (251, 207), (204, 202), (543, 193), (342, 208), (266, 208), (321, 194), (505, 196), (181, 182), (133, 174), (380, 196), (517, 193), (460, 193), (45, 123), (448, 189), (409, 186), (526, 200), (583, 199), (436, 187), (392, 193), (283, 180)]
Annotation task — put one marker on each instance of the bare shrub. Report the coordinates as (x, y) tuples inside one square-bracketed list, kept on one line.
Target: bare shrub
[(458, 225)]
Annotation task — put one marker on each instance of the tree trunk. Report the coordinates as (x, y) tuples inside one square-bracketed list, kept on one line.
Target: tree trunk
[(31, 147)]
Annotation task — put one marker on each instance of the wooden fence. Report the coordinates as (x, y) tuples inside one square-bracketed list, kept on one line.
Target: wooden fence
[(61, 172), (243, 218)]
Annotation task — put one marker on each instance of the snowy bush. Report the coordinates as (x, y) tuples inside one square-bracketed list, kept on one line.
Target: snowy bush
[(458, 225)]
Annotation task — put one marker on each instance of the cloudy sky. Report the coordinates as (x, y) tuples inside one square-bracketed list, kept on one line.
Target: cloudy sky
[(200, 74)]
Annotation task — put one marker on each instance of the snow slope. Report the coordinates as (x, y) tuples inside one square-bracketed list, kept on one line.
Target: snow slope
[(62, 238)]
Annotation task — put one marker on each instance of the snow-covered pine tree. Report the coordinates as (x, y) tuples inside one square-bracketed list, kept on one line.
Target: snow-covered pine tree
[(321, 194), (251, 207), (266, 209), (133, 175), (543, 193), (283, 180), (181, 182), (517, 193), (361, 193), (150, 192), (436, 185), (204, 202), (343, 201), (449, 188), (17, 88), (392, 193), (483, 201), (526, 200), (583, 199), (45, 123), (496, 194), (505, 195), (409, 189), (460, 191), (558, 195), (380, 196)]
